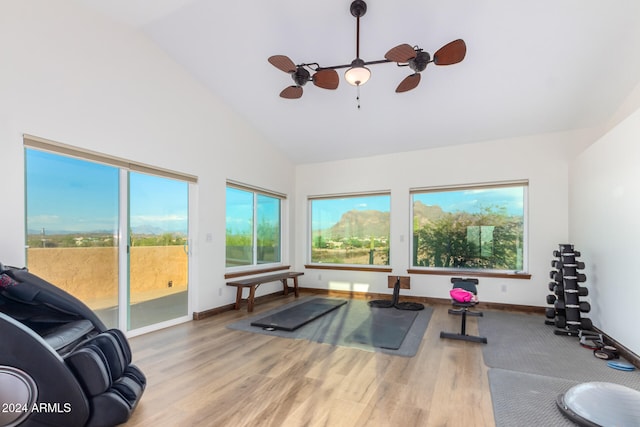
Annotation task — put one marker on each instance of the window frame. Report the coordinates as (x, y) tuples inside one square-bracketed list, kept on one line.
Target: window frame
[(502, 273), (255, 266), (340, 266)]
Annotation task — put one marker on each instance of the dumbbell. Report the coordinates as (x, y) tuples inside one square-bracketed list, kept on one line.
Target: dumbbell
[(558, 264), (580, 277), (584, 307), (581, 291)]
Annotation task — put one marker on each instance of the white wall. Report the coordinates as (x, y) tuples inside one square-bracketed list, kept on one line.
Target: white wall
[(72, 76), (603, 216), (543, 160)]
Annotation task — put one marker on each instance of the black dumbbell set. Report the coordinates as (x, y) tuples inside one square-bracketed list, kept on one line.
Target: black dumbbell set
[(566, 308)]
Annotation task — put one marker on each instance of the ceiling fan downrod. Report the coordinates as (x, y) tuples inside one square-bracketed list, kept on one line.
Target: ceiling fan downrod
[(357, 74), (358, 9)]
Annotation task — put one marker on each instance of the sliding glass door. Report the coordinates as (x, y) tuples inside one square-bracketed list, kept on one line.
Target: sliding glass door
[(73, 228), (158, 249), (115, 239)]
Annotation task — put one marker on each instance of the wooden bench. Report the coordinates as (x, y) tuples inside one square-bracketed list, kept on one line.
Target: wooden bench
[(253, 283)]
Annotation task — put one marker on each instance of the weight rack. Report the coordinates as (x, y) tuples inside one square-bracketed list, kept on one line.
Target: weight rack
[(566, 308)]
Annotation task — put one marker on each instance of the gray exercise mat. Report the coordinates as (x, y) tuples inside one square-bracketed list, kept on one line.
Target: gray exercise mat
[(531, 366), (384, 328), (335, 327), (522, 400), (299, 315), (524, 343)]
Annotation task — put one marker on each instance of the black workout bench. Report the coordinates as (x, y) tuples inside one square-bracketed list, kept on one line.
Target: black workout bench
[(253, 282)]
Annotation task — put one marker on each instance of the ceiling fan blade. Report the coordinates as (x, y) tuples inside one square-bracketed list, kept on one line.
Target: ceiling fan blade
[(451, 53), (283, 63), (291, 92), (409, 82), (326, 79), (401, 53)]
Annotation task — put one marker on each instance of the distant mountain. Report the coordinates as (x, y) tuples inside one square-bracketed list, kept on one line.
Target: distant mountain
[(143, 229), (364, 224), (361, 224), (426, 214), (53, 232), (147, 229)]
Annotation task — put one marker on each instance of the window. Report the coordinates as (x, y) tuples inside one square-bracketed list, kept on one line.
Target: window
[(254, 224), (350, 229), (475, 227)]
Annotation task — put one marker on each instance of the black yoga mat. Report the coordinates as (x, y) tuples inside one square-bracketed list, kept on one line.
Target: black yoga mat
[(384, 328), (299, 315)]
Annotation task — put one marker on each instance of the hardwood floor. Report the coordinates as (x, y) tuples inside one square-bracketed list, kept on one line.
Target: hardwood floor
[(203, 374)]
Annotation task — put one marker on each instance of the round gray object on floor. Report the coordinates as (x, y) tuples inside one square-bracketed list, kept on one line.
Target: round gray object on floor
[(601, 404)]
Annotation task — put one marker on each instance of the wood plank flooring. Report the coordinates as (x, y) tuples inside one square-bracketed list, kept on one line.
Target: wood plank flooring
[(203, 374)]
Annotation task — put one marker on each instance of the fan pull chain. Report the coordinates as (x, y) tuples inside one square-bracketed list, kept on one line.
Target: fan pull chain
[(358, 96)]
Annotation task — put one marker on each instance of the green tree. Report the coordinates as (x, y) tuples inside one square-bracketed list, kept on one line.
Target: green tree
[(490, 239)]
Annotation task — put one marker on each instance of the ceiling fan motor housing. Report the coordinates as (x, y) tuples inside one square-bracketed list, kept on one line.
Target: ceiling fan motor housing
[(358, 8), (419, 63), (301, 76)]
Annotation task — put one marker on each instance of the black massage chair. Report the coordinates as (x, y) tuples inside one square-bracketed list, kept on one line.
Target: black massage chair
[(59, 364)]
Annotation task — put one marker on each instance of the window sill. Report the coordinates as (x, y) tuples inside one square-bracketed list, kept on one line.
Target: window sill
[(380, 269), (472, 273)]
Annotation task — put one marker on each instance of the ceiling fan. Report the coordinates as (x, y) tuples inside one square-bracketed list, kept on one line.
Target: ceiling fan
[(357, 73)]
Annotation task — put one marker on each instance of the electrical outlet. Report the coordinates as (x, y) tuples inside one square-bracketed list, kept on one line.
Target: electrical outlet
[(504, 288), (219, 292), (319, 276)]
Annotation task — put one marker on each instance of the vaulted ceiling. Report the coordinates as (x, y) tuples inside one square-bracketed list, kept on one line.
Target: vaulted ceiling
[(531, 67)]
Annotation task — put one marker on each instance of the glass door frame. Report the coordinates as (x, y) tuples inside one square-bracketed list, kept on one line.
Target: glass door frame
[(124, 259), (31, 142)]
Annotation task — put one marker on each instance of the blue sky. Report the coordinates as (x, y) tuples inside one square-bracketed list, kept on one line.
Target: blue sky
[(327, 212), (239, 210), (473, 200), (67, 194), (158, 202)]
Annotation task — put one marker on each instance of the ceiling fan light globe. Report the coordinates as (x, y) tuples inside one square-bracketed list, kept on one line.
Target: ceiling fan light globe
[(358, 74)]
